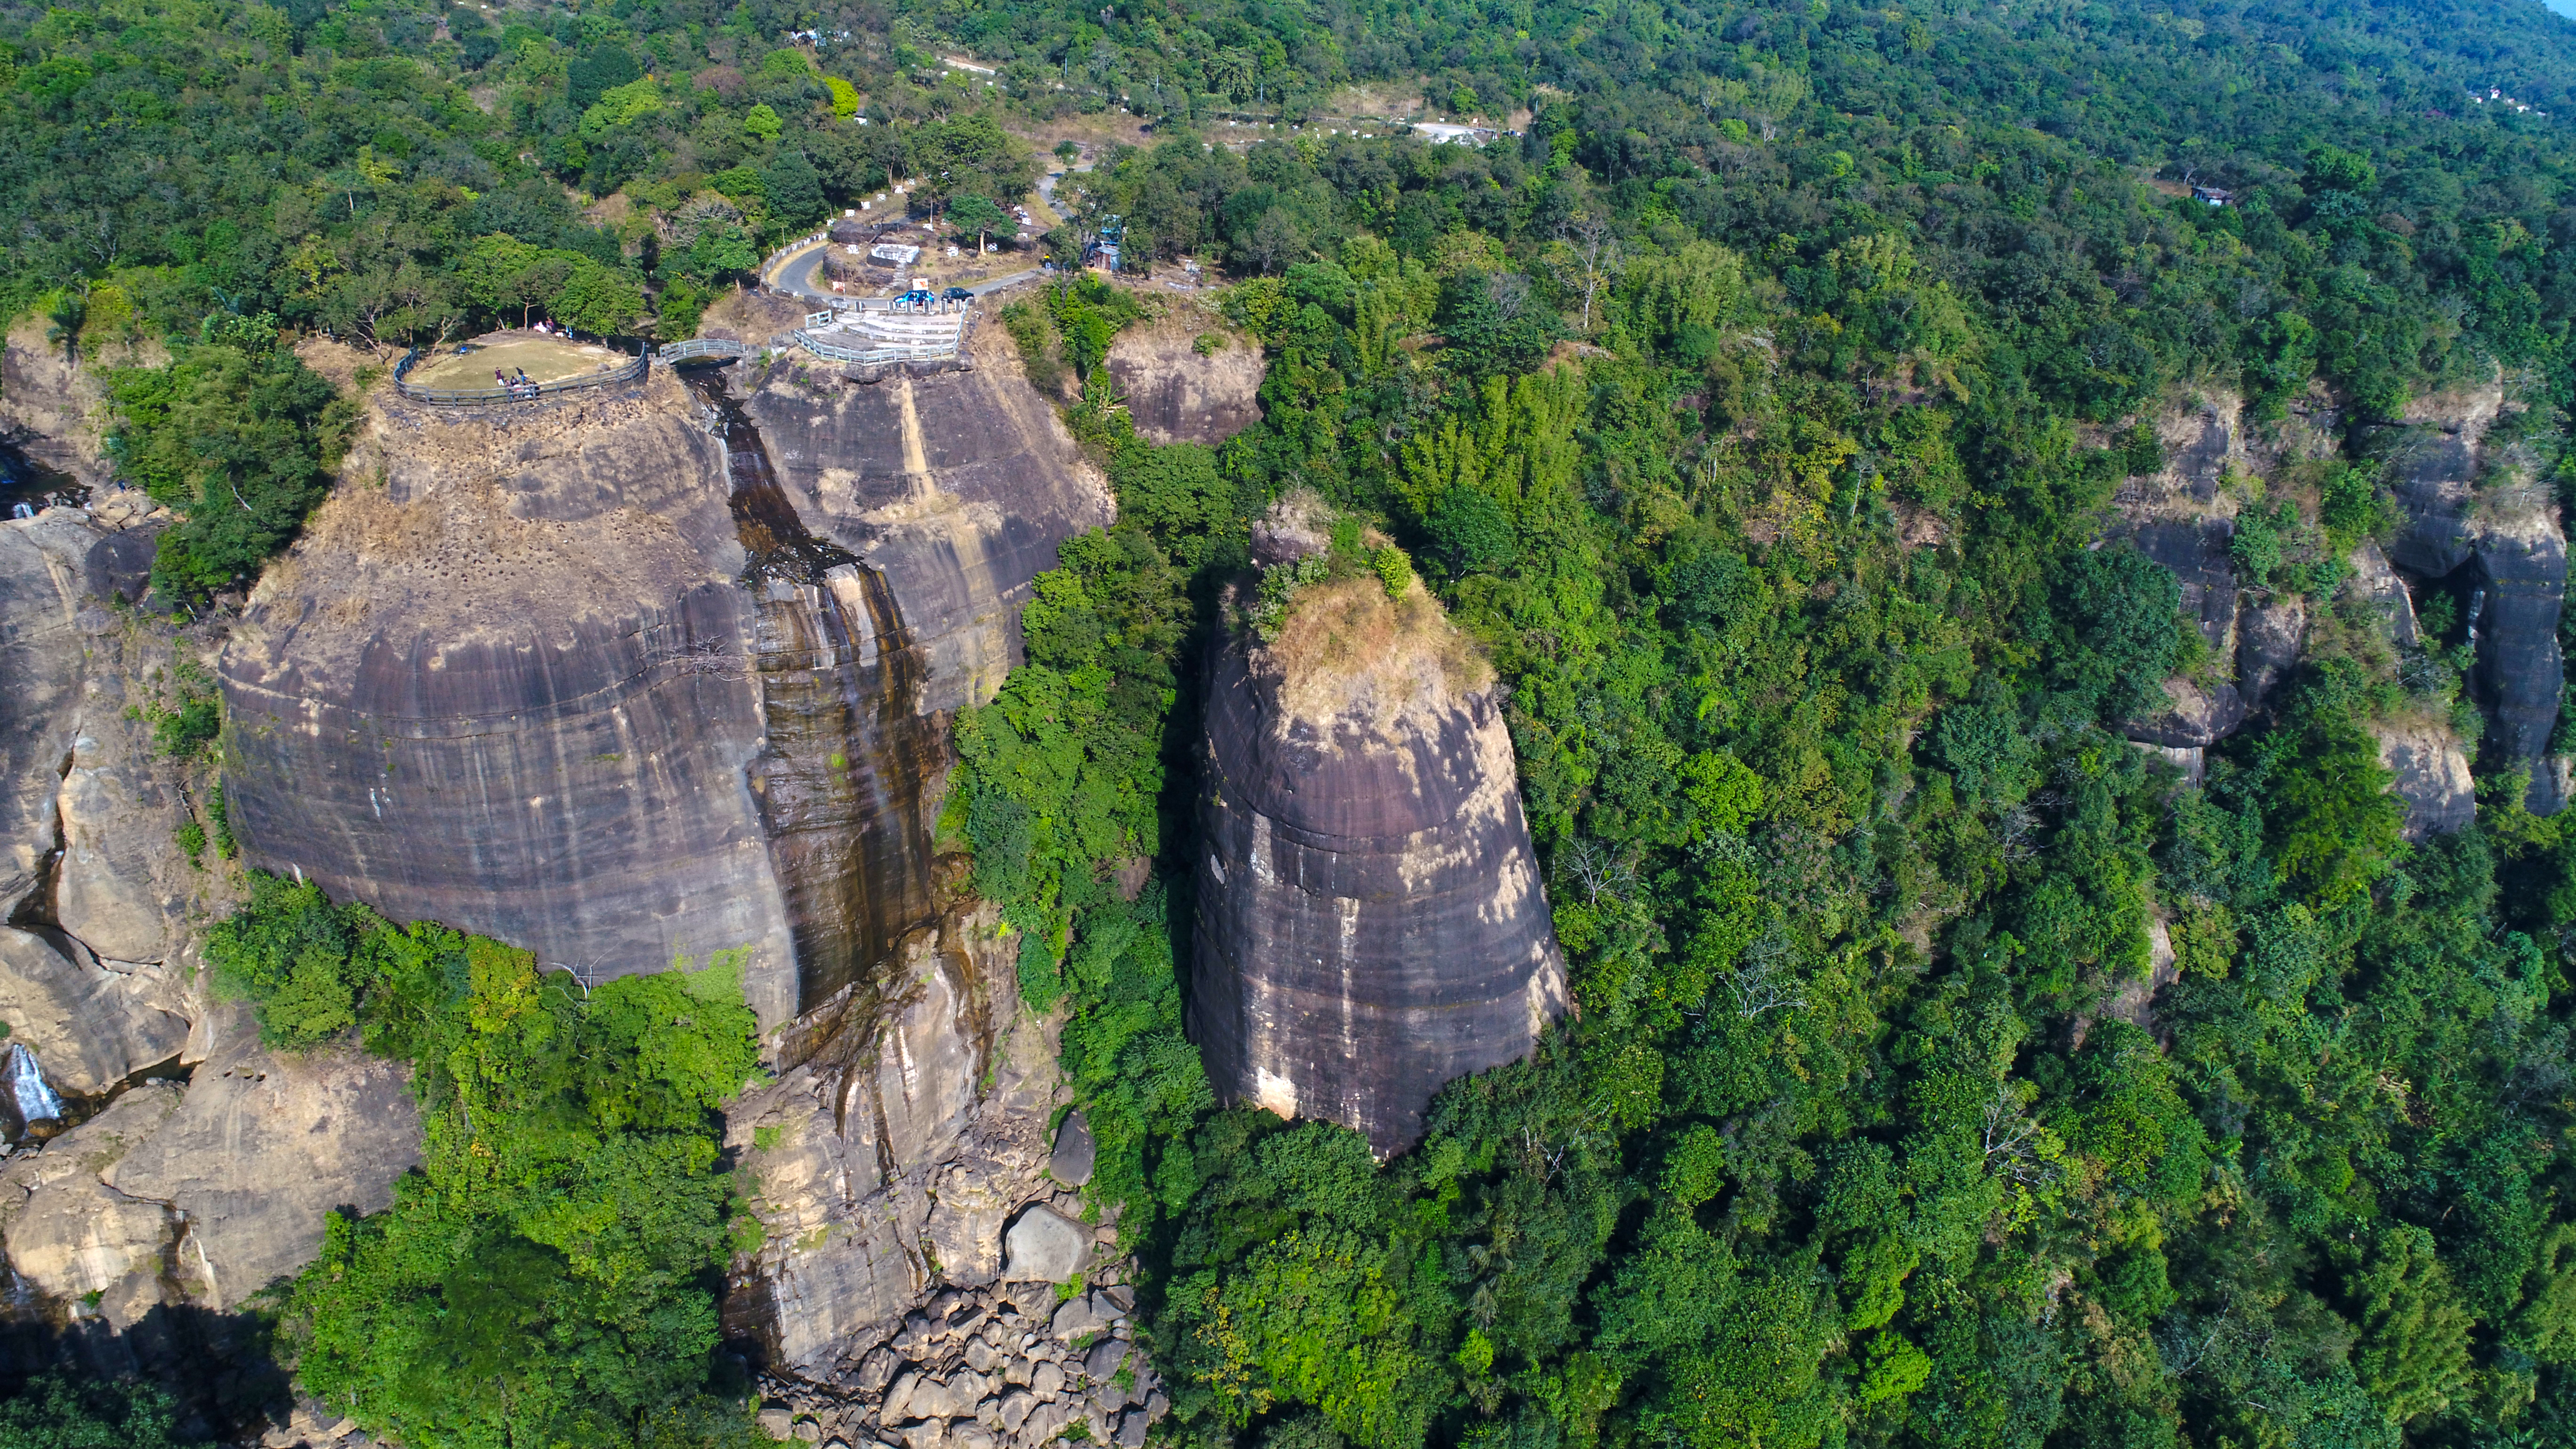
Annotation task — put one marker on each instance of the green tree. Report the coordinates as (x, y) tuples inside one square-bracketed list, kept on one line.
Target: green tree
[(976, 214), (2412, 1349), (53, 1411), (239, 437)]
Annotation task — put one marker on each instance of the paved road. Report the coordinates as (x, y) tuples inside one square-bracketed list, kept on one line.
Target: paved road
[(796, 275)]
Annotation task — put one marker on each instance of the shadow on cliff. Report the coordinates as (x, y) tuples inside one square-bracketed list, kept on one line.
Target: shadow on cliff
[(220, 1369)]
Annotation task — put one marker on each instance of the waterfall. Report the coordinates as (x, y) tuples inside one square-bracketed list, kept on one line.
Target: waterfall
[(34, 1099), (848, 750)]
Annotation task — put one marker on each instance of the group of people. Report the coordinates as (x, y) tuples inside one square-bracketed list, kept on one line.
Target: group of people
[(520, 386)]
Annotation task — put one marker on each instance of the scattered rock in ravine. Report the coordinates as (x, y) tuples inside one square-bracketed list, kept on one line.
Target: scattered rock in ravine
[(1075, 1152), (988, 1368)]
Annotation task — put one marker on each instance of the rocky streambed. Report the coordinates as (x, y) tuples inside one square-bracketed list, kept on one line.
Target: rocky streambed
[(1011, 1366)]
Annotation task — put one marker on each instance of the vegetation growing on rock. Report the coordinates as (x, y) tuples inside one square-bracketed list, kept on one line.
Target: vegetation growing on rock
[(549, 1275), (1948, 1070)]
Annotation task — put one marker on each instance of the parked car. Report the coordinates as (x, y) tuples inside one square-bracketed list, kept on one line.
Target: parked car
[(957, 294)]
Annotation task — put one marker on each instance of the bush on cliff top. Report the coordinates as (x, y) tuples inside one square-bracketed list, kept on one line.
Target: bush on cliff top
[(550, 1273), (240, 438)]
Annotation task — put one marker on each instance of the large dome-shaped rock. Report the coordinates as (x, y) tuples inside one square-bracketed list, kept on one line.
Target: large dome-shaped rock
[(648, 674), (1371, 924), (500, 683)]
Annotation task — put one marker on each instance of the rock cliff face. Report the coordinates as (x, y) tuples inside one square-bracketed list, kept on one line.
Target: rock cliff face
[(2479, 526), (670, 672), (1371, 924), (658, 674), (2473, 526), (1177, 394), (49, 403), (164, 1204)]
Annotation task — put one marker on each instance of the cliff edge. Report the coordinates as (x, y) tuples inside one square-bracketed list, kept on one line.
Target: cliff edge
[(1371, 924)]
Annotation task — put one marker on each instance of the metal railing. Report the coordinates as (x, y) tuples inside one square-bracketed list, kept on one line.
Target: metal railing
[(905, 352), (704, 347), (632, 369)]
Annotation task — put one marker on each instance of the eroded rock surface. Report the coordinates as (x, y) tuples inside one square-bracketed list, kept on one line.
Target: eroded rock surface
[(43, 656), (263, 1146), (892, 1162), (2432, 776), (90, 1026), (2479, 523), (1178, 394), (1371, 924)]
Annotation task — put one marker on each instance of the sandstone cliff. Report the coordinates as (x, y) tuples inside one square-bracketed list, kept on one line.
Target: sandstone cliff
[(2473, 525), (164, 1205), (1371, 924), (654, 674), (1177, 393)]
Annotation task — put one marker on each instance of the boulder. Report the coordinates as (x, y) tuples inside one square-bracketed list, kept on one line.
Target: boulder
[(897, 1403), (2432, 776), (1075, 1153), (1102, 1362), (1047, 1380), (1079, 1316), (1046, 1421), (90, 1027), (1046, 1246), (264, 1146), (1015, 1409), (120, 888), (2269, 637), (43, 658)]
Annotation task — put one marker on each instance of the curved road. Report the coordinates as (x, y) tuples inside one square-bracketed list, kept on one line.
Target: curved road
[(796, 275)]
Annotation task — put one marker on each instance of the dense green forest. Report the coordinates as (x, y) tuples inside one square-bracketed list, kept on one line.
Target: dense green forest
[(1863, 1132)]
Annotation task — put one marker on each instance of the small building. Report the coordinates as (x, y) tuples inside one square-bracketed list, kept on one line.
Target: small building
[(2212, 195)]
